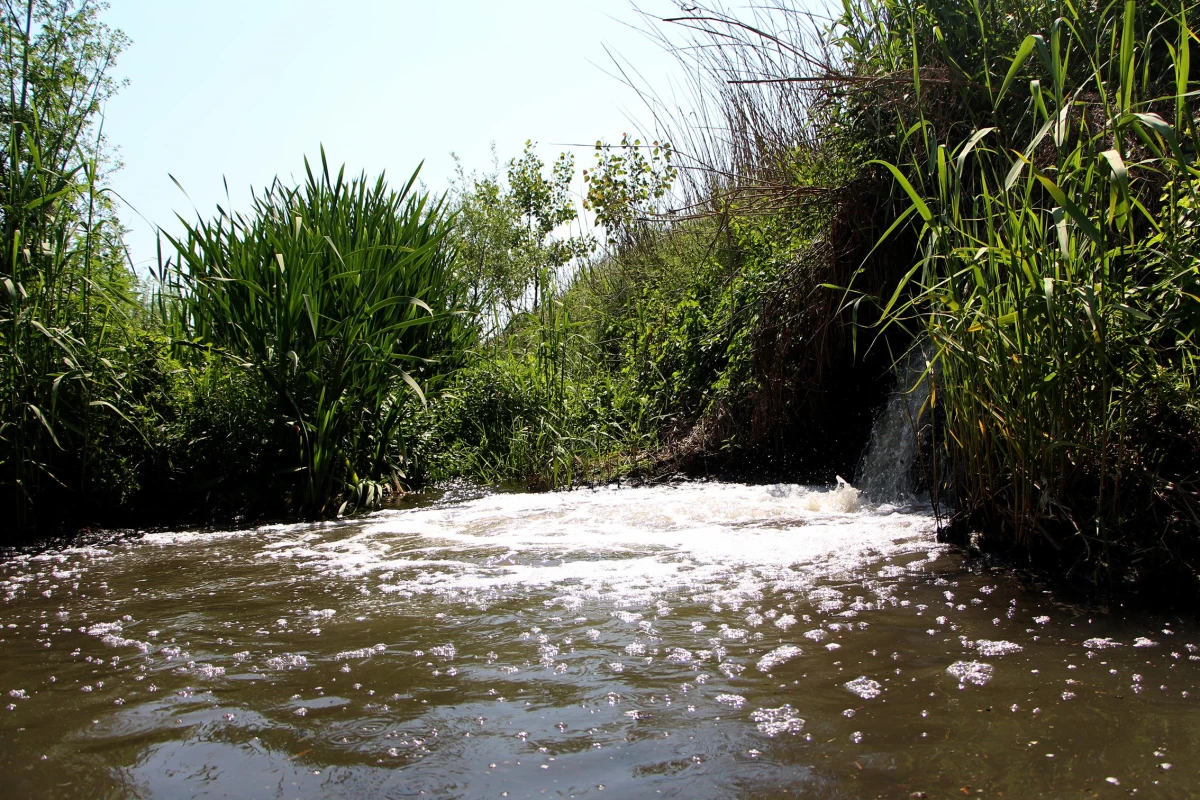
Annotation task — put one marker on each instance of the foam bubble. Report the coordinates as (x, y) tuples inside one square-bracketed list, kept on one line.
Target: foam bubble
[(1101, 644), (990, 649), (864, 687), (288, 661), (975, 672), (776, 721), (446, 652), (363, 652), (678, 655), (779, 655)]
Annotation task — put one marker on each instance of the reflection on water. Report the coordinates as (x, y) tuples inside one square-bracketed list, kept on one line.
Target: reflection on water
[(706, 640)]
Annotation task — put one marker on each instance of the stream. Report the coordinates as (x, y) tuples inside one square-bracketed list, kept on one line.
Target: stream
[(703, 640)]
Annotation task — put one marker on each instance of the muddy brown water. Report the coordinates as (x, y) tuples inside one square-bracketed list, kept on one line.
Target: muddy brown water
[(698, 641)]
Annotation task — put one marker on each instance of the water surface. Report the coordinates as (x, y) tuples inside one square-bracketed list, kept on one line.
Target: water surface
[(704, 640)]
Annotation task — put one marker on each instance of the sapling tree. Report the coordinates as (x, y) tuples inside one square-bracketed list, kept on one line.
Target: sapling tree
[(508, 250), (627, 184)]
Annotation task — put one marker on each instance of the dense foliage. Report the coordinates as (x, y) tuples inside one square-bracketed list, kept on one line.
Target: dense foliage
[(68, 315), (1038, 162), (1057, 274)]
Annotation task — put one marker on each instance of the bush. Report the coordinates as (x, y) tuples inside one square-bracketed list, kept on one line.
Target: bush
[(536, 408)]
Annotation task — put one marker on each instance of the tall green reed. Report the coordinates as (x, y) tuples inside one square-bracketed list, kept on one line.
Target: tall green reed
[(1057, 272), (66, 298), (339, 296)]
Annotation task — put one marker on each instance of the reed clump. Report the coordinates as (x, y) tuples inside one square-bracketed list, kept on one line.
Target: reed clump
[(70, 321), (1056, 274), (338, 298)]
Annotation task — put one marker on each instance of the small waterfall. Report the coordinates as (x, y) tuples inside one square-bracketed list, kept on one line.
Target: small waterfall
[(886, 472)]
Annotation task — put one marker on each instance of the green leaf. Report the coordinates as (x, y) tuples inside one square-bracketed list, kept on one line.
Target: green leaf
[(970, 145), (1019, 59), (1078, 216), (1119, 172), (912, 193), (414, 386)]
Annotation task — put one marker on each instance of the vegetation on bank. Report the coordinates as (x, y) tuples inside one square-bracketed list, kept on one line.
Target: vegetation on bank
[(1008, 190), (325, 295), (1050, 179)]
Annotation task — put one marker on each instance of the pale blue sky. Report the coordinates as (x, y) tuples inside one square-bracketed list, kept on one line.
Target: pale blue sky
[(246, 89)]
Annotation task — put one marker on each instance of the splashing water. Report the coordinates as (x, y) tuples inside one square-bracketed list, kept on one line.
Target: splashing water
[(886, 473), (703, 640)]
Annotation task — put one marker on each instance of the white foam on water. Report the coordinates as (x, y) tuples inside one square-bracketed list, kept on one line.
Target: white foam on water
[(780, 655), (865, 688), (730, 544), (679, 655), (288, 661), (990, 649), (363, 652), (636, 543), (113, 640), (975, 672), (1101, 643), (776, 721), (445, 652)]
